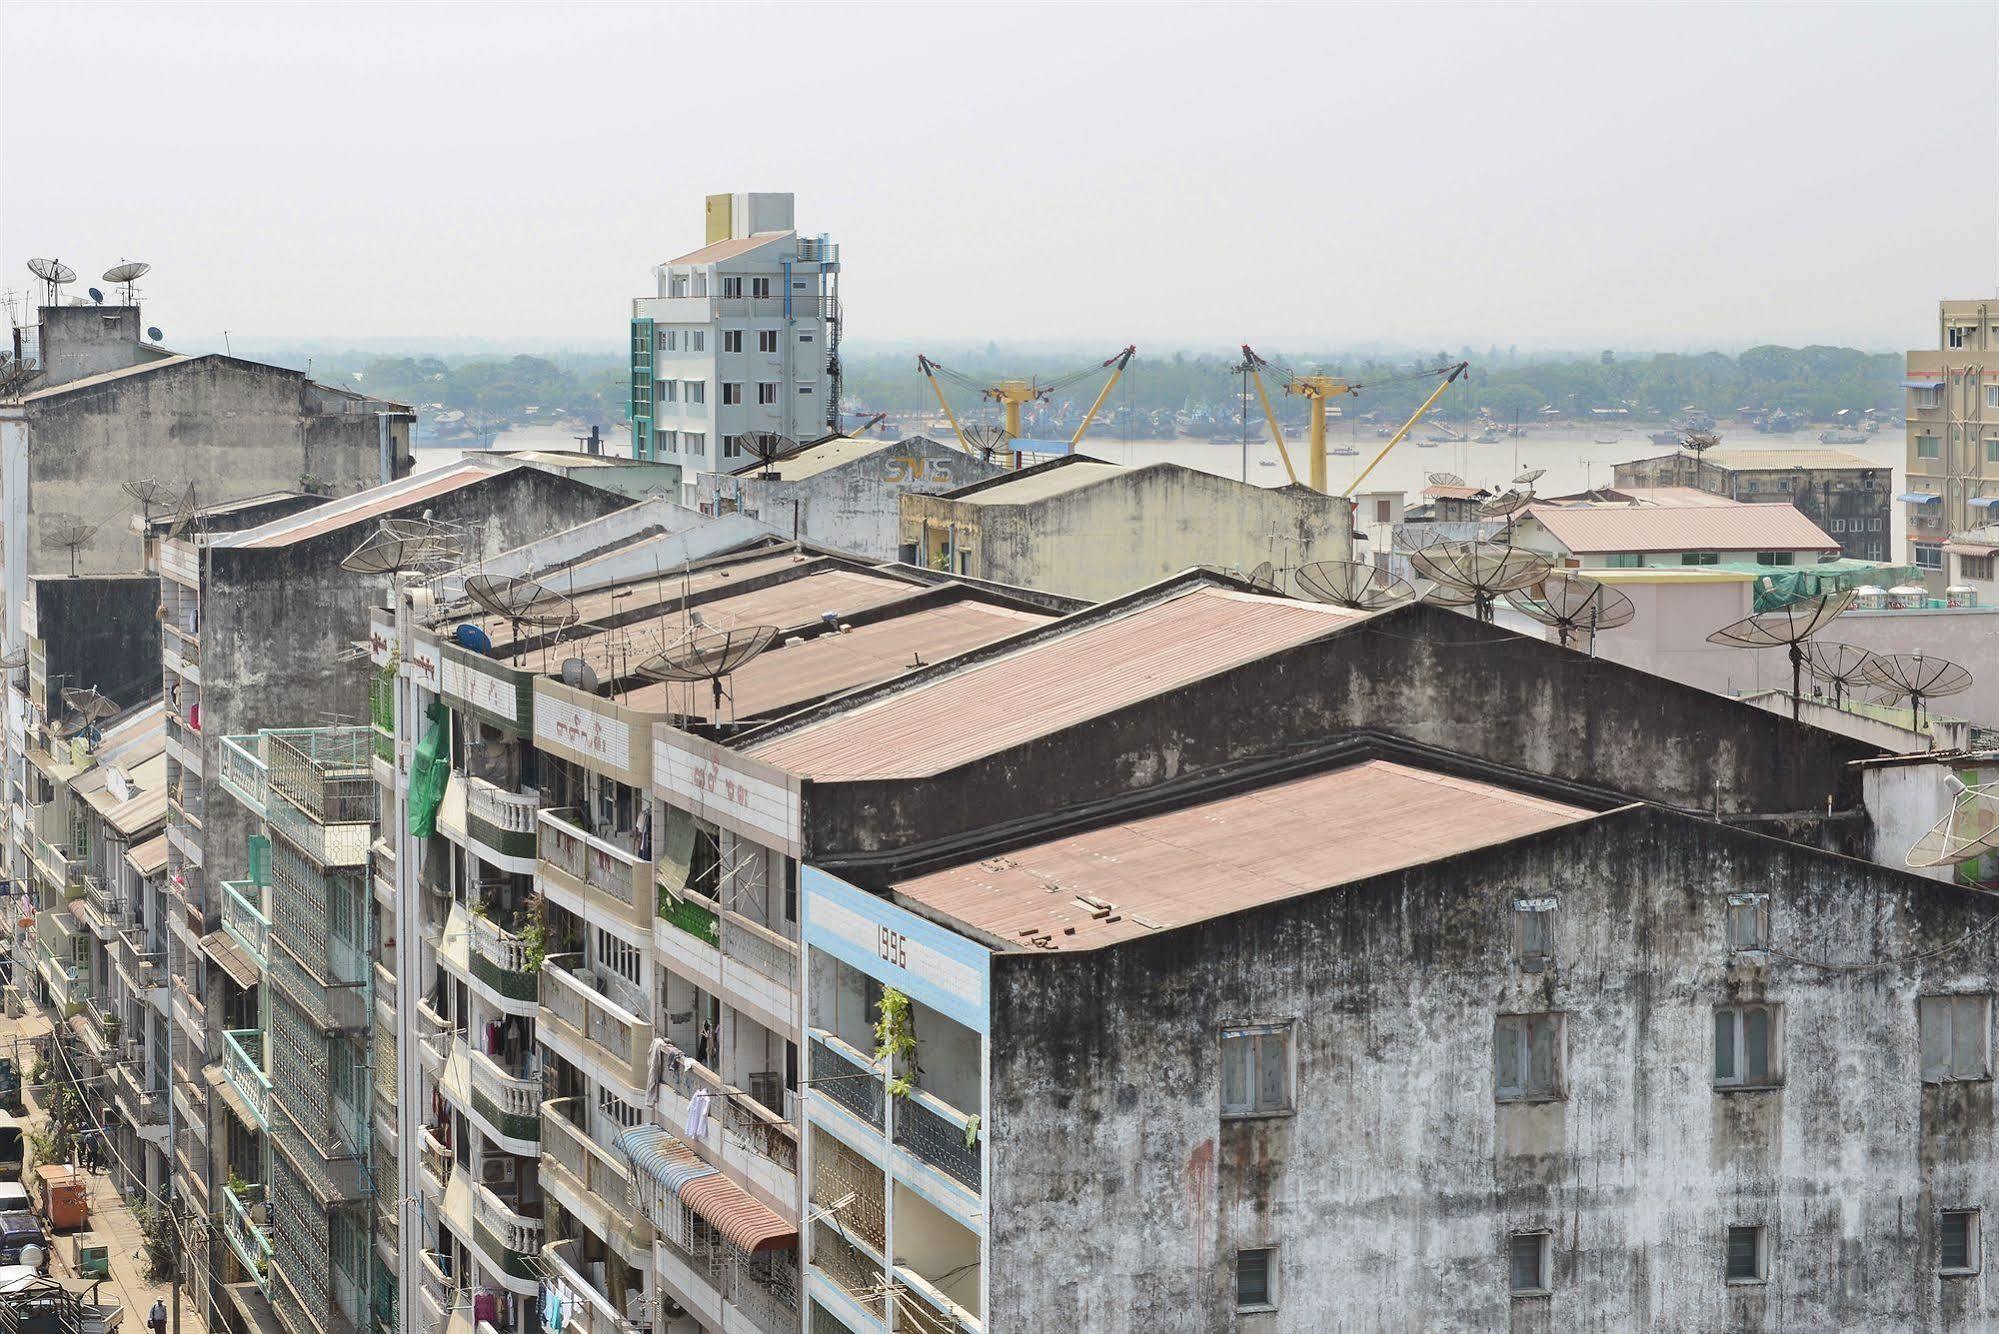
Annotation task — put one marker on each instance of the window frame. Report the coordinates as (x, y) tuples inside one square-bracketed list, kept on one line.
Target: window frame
[(732, 393), (1526, 1091), (1544, 1245), (1759, 904), (1974, 1242), (766, 393), (766, 340), (1761, 1262), (1951, 1002), (1773, 1047), (1928, 556), (732, 340), (1256, 1035), (1270, 1289), (1935, 443), (1539, 914), (1992, 395)]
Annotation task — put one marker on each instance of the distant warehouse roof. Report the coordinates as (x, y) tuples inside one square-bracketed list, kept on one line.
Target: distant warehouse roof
[(1786, 460), (1603, 528)]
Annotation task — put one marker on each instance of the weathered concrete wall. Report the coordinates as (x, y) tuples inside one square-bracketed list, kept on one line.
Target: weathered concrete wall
[(99, 632), (232, 427), (855, 507), (1120, 1195), (76, 341), (1421, 673), (1136, 528)]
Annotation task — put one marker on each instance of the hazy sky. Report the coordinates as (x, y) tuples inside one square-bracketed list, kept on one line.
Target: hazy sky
[(1648, 176)]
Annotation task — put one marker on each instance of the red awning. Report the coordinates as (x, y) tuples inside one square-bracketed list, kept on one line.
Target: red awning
[(734, 1213)]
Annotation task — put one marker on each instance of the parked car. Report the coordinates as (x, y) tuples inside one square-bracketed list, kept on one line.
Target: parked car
[(14, 1198), (20, 1229)]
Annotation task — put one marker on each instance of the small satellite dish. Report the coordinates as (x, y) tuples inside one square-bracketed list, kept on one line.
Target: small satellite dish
[(1264, 579), (54, 275), (185, 514), (579, 675), (1446, 479), (14, 661), (127, 273), (1788, 627), (1916, 678), (1531, 476), (1352, 583), (96, 297), (67, 532), (1476, 574), (404, 544), (153, 333), (1842, 666), (710, 657), (1574, 603), (1969, 829), (988, 442)]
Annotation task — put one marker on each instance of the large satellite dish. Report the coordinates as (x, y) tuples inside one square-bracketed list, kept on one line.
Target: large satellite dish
[(1531, 476), (520, 601), (1352, 583), (87, 703), (67, 532), (186, 513), (1969, 829), (54, 275), (1841, 666), (988, 442), (150, 493), (1698, 443), (766, 447), (1504, 505), (1446, 479), (13, 661), (1788, 627), (124, 275), (1476, 574), (710, 657), (404, 544), (1916, 678), (1575, 605)]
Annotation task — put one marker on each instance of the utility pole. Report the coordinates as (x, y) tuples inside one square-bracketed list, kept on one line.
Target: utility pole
[(174, 1217)]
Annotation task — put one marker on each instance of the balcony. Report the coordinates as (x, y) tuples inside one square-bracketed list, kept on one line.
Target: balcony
[(770, 984), (503, 960), (589, 1180), (847, 1077), (439, 1292), (500, 824), (190, 1012), (595, 1312), (105, 907), (141, 1106), (53, 861), (589, 875), (511, 1105), (437, 1163), (729, 1290), (245, 1072), (328, 846), (244, 772), (244, 918), (758, 1144), (924, 1306), (104, 1020), (511, 1241), (246, 1223), (602, 1032), (942, 1136)]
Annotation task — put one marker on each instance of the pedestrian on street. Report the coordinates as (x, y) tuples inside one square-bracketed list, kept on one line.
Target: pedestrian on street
[(156, 1319)]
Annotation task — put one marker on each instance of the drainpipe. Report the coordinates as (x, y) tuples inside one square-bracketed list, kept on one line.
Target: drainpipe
[(385, 446)]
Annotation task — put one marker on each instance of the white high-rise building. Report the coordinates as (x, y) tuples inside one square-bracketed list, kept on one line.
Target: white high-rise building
[(743, 335)]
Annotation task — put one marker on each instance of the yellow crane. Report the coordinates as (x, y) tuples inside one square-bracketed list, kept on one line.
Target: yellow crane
[(1317, 390), (1013, 395)]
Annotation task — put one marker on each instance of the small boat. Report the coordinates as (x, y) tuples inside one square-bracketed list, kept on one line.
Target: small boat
[(1344, 451), (1606, 440), (1666, 439), (1843, 436), (1426, 444)]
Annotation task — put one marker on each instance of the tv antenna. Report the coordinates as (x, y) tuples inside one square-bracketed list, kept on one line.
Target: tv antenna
[(54, 275), (521, 601), (70, 532), (1353, 584), (710, 657), (1970, 828), (1575, 605), (1789, 627), (149, 493), (125, 274), (1916, 678), (766, 447), (1477, 574), (1842, 666)]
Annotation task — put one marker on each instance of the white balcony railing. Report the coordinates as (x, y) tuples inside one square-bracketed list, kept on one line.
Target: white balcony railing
[(569, 996)]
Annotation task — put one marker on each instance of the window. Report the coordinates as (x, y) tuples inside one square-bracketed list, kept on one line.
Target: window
[(1974, 567), (805, 391), (1256, 1070), (1256, 1279), (1527, 1057), (1929, 555), (1700, 558), (1534, 933), (1383, 511), (695, 441), (1748, 1255), (1775, 557), (668, 441), (759, 287), (731, 394), (732, 446), (618, 957), (670, 340), (1874, 525), (1928, 398), (1839, 525), (1992, 395), (1991, 445), (1748, 922), (669, 391), (732, 340), (732, 285), (1955, 1037), (696, 391), (697, 340), (617, 1109), (804, 335), (1527, 1263), (1957, 1242), (766, 340), (1958, 336), (766, 392), (1746, 1044), (676, 285), (1928, 447), (1622, 560)]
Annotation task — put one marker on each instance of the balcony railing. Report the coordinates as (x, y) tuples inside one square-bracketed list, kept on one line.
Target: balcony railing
[(763, 949), (440, 1292), (762, 1287), (106, 899), (511, 1241), (570, 998), (617, 879), (942, 1136), (847, 1076), (510, 1104), (185, 643), (501, 960), (245, 1072), (243, 917), (244, 772), (247, 1226), (500, 820), (571, 1157), (328, 845), (738, 1120), (595, 1314), (437, 1162), (923, 1306)]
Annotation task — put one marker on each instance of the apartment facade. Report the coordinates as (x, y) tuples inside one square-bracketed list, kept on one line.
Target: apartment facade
[(742, 334), (1953, 448), (1843, 494)]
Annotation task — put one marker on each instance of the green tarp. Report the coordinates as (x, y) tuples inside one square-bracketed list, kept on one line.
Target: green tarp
[(429, 771), (1780, 585)]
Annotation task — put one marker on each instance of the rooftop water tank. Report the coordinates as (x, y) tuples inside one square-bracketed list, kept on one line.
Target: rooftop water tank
[(1869, 598), (1960, 595), (1906, 596)]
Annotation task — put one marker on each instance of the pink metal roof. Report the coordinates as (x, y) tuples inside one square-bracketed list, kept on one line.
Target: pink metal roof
[(1642, 527), (358, 508), (721, 250), (1117, 883), (1101, 665)]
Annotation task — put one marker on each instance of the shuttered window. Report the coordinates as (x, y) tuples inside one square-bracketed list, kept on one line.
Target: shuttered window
[(1256, 1070), (1954, 1037)]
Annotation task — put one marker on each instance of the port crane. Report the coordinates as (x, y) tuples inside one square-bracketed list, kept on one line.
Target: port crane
[(1317, 390), (1012, 395)]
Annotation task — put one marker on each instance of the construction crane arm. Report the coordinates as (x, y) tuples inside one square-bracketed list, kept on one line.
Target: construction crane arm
[(1255, 366), (1116, 366), (1396, 439), (930, 369)]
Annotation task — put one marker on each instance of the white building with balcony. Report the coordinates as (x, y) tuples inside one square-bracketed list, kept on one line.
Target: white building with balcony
[(742, 335)]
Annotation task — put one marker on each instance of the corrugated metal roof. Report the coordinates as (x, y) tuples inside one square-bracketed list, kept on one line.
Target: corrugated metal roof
[(822, 457), (361, 507), (1642, 527), (1785, 460), (149, 858), (1042, 485), (1101, 664), (1221, 857), (721, 250), (233, 960), (601, 603)]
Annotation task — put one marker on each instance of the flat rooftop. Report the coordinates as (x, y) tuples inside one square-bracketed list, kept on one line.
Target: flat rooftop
[(1091, 664), (361, 507), (1123, 881), (1659, 521)]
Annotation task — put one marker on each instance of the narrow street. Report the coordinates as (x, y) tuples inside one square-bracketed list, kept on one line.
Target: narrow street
[(112, 1222)]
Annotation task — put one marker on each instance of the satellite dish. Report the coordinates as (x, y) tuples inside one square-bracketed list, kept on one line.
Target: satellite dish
[(96, 297), (88, 704), (988, 442), (1574, 603), (521, 601), (1264, 579), (1916, 678), (1842, 666), (67, 532), (710, 657), (404, 544), (1531, 476), (1475, 574), (1788, 627), (1969, 829), (153, 333), (1352, 583), (1446, 479), (185, 514), (149, 493), (1504, 505), (766, 447), (14, 661), (127, 273), (579, 675), (54, 274)]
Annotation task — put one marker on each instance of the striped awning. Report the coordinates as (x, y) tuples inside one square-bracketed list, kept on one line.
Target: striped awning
[(672, 1167), (1918, 497), (1922, 380)]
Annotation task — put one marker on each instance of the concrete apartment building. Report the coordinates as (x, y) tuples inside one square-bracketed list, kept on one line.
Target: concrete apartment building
[(1844, 495), (844, 492), (742, 334), (1953, 449), (1085, 528), (1670, 526)]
